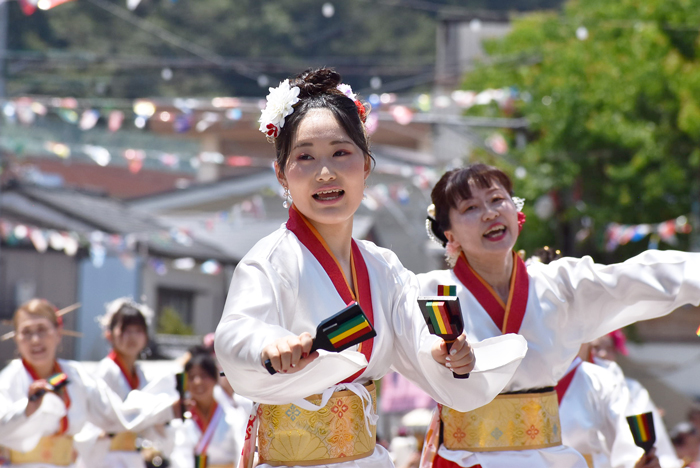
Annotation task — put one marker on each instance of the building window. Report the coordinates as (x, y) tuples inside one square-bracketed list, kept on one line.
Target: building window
[(178, 301)]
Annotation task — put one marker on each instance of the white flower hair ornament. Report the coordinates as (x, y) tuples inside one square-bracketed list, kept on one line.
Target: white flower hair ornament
[(114, 306), (280, 104)]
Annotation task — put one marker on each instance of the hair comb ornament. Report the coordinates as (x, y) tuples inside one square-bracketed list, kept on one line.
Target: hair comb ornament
[(642, 427), (339, 332), (443, 315)]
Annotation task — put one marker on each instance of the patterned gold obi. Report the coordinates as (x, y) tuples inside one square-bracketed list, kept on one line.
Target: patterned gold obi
[(289, 435), (123, 442), (520, 421), (52, 450)]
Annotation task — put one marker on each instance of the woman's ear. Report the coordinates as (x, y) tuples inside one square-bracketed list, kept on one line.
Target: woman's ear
[(108, 335), (451, 239), (368, 166), (280, 175)]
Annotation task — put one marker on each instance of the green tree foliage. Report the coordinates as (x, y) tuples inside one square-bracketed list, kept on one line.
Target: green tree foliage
[(170, 323), (614, 114), (82, 49)]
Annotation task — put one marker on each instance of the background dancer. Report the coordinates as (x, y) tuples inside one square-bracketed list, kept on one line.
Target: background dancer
[(556, 307)]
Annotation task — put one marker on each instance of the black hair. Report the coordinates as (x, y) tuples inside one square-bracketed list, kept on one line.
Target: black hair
[(128, 315), (203, 359), (453, 187), (318, 90)]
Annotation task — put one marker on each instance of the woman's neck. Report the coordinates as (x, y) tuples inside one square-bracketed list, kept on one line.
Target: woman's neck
[(338, 237), (495, 271), (129, 362), (204, 405), (44, 369)]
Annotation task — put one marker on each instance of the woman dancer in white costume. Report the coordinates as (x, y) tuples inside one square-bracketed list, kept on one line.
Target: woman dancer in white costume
[(39, 426), (311, 268), (556, 307), (216, 428)]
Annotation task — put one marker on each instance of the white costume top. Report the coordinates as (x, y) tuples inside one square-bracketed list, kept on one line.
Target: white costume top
[(102, 457), (279, 289), (640, 402), (91, 402), (570, 302), (592, 414), (227, 439)]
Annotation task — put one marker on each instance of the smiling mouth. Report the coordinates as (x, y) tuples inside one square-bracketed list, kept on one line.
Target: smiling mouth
[(328, 195), (495, 232)]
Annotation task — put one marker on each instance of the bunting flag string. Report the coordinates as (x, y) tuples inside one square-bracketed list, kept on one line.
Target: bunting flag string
[(622, 234), (99, 244)]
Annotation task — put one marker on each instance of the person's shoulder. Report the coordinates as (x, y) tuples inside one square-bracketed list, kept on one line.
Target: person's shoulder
[(11, 368), (266, 247)]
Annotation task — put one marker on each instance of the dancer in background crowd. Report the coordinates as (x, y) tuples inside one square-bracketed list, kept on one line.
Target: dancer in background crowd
[(686, 442), (604, 353), (40, 424), (556, 307), (216, 429), (224, 389), (311, 268)]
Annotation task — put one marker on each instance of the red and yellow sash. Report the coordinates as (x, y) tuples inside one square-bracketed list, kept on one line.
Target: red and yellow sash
[(565, 381), (133, 379), (64, 394), (507, 317), (312, 240)]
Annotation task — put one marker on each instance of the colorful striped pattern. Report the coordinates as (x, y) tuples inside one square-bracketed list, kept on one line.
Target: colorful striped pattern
[(58, 380), (446, 290), (642, 427), (698, 331), (349, 331), (181, 378), (440, 318), (200, 461)]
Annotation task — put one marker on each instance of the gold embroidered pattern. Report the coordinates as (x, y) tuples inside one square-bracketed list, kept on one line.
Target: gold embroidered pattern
[(123, 442), (510, 422), (289, 435), (53, 450)]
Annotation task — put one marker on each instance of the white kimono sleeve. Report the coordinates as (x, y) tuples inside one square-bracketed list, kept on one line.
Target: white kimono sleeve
[(139, 411), (496, 358), (22, 433), (252, 319), (603, 298)]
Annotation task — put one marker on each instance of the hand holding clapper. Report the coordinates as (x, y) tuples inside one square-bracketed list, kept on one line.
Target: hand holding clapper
[(339, 332), (443, 315)]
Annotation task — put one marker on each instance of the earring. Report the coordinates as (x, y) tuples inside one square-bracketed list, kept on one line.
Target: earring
[(287, 198)]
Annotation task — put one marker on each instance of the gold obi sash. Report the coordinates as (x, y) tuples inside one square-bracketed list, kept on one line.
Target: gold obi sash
[(53, 450), (516, 421), (123, 442), (589, 460), (289, 435)]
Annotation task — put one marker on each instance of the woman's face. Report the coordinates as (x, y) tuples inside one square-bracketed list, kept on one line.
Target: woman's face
[(200, 384), (129, 340), (486, 223), (37, 339), (326, 170)]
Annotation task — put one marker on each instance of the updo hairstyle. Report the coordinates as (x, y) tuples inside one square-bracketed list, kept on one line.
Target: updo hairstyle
[(318, 90), (453, 187), (38, 308)]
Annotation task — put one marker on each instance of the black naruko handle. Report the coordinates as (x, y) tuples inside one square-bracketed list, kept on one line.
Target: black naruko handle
[(456, 376), (270, 369)]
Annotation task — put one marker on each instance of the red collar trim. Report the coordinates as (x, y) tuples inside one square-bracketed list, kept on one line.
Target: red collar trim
[(133, 379), (507, 317), (565, 381), (64, 394), (312, 240)]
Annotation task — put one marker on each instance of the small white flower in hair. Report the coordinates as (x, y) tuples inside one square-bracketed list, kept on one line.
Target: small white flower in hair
[(280, 104), (347, 90), (519, 203)]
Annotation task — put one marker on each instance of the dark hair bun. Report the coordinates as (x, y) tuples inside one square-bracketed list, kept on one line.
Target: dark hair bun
[(439, 233), (322, 80)]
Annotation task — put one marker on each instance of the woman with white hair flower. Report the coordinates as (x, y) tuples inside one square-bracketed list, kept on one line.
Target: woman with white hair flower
[(557, 307)]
